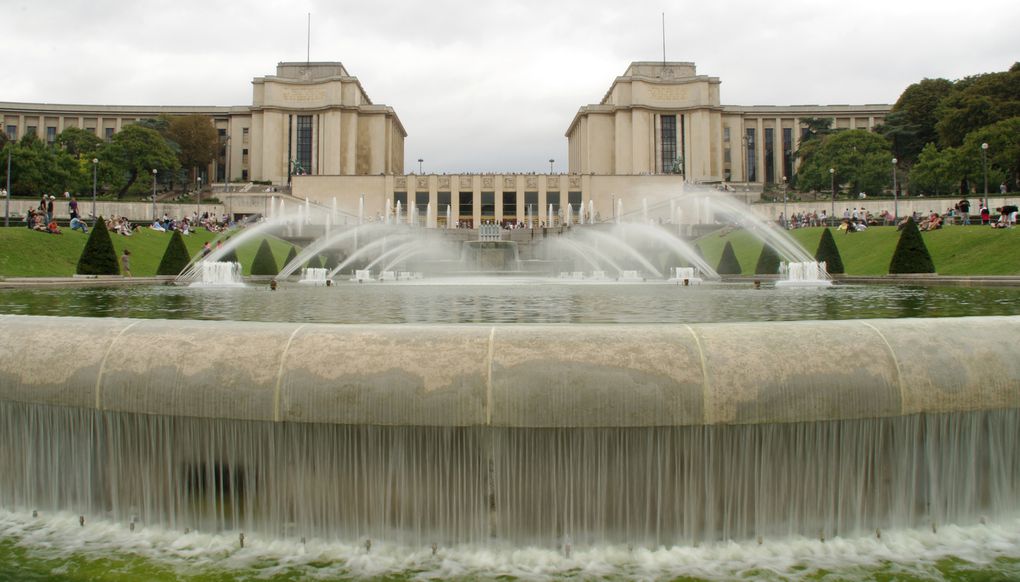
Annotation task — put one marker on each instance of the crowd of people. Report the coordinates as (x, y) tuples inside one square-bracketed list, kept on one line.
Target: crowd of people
[(189, 224)]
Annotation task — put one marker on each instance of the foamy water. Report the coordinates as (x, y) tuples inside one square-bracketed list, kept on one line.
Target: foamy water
[(59, 537)]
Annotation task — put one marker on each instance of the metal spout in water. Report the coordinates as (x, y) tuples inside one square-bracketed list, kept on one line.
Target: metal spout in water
[(187, 530), (81, 520), (241, 538), (303, 541), (35, 513), (272, 285), (131, 526), (368, 545), (435, 548), (982, 520), (934, 528), (760, 540), (566, 550), (878, 533), (821, 536)]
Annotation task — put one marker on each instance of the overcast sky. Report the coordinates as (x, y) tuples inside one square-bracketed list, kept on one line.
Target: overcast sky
[(483, 86)]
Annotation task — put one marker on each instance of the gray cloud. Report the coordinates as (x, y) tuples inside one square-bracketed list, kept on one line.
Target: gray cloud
[(492, 86)]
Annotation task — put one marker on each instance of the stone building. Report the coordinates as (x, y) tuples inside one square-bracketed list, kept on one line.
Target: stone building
[(309, 118), (312, 125)]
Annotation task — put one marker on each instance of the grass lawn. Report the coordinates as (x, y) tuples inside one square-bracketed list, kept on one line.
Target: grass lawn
[(956, 250), (27, 253)]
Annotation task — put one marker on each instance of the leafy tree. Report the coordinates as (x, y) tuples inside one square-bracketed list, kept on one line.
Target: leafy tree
[(861, 158), (264, 263), (197, 139), (932, 172), (176, 256), (911, 254), (911, 123), (38, 168), (728, 263), (98, 256), (976, 102), (79, 142), (768, 261), (134, 152), (828, 253)]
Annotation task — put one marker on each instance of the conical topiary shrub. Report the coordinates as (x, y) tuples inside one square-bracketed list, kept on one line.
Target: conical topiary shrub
[(176, 256), (291, 254), (98, 256), (230, 257), (828, 252), (314, 263), (911, 255), (264, 263), (728, 263), (768, 261)]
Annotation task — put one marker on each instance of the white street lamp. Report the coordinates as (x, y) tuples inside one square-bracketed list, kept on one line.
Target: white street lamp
[(95, 165), (984, 163), (895, 194), (832, 186), (154, 172)]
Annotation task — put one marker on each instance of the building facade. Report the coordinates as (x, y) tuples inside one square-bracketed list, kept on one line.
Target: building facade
[(308, 118), (662, 117), (313, 125)]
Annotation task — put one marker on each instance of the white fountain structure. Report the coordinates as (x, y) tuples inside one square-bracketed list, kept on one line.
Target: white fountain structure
[(314, 276), (218, 274), (804, 274), (685, 276)]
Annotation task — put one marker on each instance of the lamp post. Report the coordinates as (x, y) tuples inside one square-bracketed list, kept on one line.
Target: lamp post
[(7, 191), (895, 194), (95, 166), (551, 161), (832, 187), (198, 197), (154, 172), (419, 164), (984, 164), (786, 217)]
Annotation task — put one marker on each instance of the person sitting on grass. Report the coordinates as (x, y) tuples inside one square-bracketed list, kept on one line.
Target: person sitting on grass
[(78, 224), (52, 227)]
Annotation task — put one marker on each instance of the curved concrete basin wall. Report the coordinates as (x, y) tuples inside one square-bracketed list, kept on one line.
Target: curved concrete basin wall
[(514, 375)]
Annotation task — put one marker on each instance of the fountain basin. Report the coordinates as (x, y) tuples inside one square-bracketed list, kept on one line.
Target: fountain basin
[(515, 375)]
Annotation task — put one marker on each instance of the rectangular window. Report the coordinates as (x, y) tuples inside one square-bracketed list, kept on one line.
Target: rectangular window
[(443, 203), (509, 205), (108, 133), (488, 206), (553, 198), (668, 127), (244, 135), (244, 175), (531, 204), (467, 205), (244, 156), (51, 135), (752, 173), (574, 200), (304, 145), (788, 152), (421, 202), (726, 156), (726, 133), (401, 199), (770, 166), (12, 132)]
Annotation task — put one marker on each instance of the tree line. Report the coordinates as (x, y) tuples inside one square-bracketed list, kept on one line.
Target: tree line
[(175, 146), (935, 131)]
